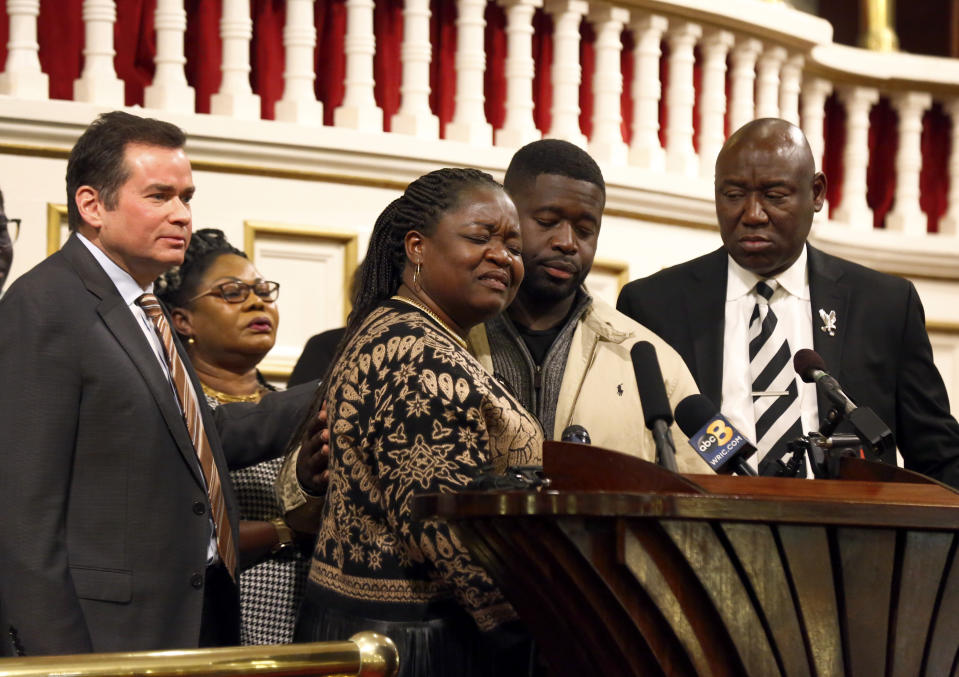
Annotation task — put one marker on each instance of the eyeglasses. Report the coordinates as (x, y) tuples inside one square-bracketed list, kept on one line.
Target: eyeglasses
[(12, 226), (238, 292)]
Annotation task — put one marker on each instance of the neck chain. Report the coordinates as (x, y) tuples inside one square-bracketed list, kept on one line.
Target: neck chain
[(416, 304), (224, 398)]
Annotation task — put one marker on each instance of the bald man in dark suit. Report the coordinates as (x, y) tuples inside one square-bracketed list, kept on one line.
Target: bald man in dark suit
[(868, 327)]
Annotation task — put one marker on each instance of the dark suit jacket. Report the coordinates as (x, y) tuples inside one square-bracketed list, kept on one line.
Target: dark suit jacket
[(316, 356), (880, 352), (105, 527)]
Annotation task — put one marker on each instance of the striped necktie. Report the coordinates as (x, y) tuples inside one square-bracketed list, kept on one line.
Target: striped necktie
[(775, 393), (194, 423)]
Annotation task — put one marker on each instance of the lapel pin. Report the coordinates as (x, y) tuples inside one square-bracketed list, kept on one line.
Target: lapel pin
[(828, 321)]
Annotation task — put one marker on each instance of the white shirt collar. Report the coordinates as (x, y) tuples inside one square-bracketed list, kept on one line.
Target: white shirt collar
[(794, 280), (129, 289)]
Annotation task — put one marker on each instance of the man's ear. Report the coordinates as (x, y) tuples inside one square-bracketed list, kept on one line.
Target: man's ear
[(182, 321), (818, 190), (89, 205), (413, 242)]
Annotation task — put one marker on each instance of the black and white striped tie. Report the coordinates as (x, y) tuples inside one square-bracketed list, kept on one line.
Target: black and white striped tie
[(775, 393)]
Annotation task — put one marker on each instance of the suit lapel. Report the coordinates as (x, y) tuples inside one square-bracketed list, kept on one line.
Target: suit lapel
[(705, 311), (124, 327), (827, 293)]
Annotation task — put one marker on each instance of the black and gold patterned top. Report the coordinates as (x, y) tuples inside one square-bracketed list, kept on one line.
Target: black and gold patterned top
[(410, 411)]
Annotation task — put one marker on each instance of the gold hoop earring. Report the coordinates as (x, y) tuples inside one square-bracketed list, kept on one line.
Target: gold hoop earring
[(416, 278)]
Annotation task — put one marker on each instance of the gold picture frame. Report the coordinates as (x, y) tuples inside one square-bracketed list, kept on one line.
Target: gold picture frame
[(614, 268), (56, 219), (348, 240)]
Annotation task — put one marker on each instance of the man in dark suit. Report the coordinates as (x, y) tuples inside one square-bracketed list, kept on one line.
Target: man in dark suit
[(868, 327), (6, 245), (316, 357), (107, 540)]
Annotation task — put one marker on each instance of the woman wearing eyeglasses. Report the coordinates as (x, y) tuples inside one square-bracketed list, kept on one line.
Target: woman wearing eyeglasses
[(226, 313)]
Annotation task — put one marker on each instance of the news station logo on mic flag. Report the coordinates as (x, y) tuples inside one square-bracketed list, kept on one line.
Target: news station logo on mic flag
[(717, 441)]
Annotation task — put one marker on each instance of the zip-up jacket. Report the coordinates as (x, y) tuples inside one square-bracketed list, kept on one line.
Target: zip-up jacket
[(590, 361)]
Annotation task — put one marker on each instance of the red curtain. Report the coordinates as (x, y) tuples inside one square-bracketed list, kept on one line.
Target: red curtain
[(387, 67), (203, 50), (881, 170), (495, 77), (587, 59), (543, 76), (330, 18), (664, 82), (60, 33), (697, 88), (834, 133), (936, 146), (443, 64), (266, 53), (626, 63), (4, 37), (135, 44)]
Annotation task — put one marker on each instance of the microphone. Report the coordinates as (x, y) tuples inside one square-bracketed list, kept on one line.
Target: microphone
[(652, 396), (713, 437), (575, 433), (868, 426), (812, 369)]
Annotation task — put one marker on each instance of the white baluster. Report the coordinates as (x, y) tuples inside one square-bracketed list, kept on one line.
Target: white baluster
[(854, 210), (518, 127), (814, 93), (299, 102), (359, 109), (98, 83), (906, 216), (742, 77), (414, 116), (169, 90), (469, 123), (712, 98), (767, 82), (680, 154), (949, 223), (606, 144), (566, 71), (23, 77), (236, 97), (645, 149), (789, 88)]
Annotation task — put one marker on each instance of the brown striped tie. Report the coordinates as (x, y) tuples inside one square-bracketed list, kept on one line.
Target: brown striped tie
[(194, 423)]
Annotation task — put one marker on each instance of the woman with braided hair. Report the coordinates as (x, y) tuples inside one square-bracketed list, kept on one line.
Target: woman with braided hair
[(410, 410), (226, 314)]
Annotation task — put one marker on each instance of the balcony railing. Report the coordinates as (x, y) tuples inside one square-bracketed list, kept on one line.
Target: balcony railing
[(649, 84), (365, 654)]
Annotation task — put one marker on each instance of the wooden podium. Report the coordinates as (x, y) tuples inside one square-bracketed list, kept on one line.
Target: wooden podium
[(623, 568)]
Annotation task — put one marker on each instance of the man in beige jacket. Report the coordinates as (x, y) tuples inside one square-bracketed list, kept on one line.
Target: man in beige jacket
[(565, 354)]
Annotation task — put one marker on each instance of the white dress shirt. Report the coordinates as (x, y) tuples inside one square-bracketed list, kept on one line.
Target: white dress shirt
[(130, 290), (793, 309)]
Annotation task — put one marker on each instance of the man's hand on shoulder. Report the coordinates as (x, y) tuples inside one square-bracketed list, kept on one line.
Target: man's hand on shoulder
[(312, 464)]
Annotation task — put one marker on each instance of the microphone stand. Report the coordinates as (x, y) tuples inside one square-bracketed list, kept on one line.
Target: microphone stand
[(665, 449)]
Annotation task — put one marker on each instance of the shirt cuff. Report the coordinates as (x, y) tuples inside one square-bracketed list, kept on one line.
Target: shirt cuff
[(290, 494)]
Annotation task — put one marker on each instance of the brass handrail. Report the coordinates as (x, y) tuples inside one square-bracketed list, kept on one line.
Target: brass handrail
[(366, 654)]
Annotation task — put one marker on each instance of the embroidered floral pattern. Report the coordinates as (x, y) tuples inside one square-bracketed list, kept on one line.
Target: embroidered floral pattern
[(413, 412)]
